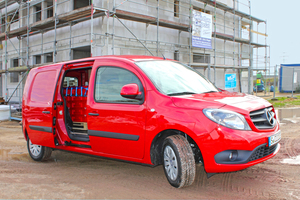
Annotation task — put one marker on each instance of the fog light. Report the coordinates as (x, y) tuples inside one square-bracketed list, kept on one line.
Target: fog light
[(233, 155)]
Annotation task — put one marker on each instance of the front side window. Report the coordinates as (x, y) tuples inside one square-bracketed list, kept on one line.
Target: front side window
[(109, 82), (172, 78)]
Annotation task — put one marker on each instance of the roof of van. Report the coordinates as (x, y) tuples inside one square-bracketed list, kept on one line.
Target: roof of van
[(130, 58)]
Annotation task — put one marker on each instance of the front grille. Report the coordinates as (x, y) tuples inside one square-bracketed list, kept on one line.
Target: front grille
[(260, 118), (262, 152)]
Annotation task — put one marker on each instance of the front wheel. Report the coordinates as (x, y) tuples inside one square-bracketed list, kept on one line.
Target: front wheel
[(179, 162), (38, 152)]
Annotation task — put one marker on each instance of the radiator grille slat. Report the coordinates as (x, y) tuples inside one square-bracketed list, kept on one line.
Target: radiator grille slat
[(260, 118)]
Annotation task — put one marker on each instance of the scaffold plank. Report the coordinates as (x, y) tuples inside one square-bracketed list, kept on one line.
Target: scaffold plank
[(14, 33), (15, 69), (150, 20)]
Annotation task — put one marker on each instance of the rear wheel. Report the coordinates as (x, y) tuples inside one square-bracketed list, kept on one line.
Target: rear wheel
[(38, 152), (179, 161)]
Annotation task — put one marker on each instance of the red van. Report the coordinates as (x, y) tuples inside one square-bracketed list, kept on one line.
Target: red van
[(146, 110)]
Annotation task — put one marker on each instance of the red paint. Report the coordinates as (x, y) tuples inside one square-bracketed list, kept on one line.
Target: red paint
[(156, 113), (130, 90)]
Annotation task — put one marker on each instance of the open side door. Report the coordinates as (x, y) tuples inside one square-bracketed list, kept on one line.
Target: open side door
[(41, 118)]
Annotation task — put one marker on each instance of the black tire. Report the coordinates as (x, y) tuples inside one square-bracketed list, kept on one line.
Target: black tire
[(40, 153), (178, 151)]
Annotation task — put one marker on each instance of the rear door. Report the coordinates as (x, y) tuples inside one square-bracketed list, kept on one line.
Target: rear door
[(116, 125), (41, 114)]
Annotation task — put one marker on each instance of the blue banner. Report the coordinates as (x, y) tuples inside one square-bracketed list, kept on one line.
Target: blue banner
[(201, 42), (230, 81)]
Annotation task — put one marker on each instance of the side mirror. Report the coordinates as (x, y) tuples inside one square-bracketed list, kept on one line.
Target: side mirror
[(131, 91)]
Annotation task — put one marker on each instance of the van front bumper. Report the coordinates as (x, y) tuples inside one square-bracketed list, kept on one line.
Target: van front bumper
[(227, 150)]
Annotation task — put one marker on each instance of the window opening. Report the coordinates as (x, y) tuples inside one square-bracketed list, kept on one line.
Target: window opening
[(38, 14), (176, 55), (81, 3), (14, 76), (176, 8), (201, 58), (37, 59), (49, 57)]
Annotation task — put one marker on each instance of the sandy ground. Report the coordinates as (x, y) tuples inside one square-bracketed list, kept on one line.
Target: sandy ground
[(68, 175)]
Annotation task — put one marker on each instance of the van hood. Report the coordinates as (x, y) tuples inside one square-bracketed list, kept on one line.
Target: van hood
[(239, 102)]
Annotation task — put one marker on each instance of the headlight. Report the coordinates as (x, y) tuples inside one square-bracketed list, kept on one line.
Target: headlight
[(227, 118)]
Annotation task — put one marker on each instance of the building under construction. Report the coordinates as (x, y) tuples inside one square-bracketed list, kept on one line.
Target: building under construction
[(37, 32)]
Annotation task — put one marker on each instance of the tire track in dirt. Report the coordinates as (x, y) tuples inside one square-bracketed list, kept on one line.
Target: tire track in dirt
[(290, 147), (258, 178), (227, 183), (201, 177)]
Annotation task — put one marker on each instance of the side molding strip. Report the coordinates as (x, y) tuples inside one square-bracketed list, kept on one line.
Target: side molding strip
[(121, 136), (41, 128)]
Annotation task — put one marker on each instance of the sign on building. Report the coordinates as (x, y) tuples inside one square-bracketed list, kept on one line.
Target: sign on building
[(230, 81), (202, 30)]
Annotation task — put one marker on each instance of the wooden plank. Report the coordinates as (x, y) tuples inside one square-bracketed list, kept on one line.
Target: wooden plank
[(223, 36), (150, 20), (76, 14), (14, 33), (15, 69), (135, 16), (43, 23), (2, 100)]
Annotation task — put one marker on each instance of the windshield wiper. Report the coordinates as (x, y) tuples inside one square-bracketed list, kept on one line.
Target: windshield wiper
[(181, 93), (209, 91)]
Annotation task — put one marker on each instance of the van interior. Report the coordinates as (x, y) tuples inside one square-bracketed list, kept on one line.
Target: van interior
[(74, 91)]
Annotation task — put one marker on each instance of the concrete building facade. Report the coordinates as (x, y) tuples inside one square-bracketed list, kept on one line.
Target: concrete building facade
[(44, 31)]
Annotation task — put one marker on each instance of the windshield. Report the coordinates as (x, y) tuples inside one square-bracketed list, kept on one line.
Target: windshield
[(173, 78)]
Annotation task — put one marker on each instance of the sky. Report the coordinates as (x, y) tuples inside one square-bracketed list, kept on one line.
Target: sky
[(283, 28)]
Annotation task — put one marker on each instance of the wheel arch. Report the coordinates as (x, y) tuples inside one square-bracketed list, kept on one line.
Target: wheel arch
[(157, 146)]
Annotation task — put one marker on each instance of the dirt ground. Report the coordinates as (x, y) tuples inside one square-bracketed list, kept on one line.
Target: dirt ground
[(68, 175)]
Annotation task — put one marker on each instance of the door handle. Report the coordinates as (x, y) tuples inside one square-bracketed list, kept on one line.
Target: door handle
[(93, 114), (46, 112)]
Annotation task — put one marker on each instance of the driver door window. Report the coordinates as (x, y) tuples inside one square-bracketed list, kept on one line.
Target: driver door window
[(109, 82)]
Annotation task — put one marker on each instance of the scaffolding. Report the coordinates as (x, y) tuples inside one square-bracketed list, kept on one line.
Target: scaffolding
[(24, 20)]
